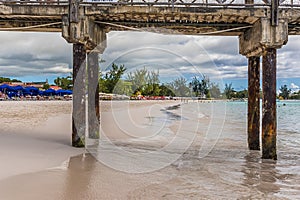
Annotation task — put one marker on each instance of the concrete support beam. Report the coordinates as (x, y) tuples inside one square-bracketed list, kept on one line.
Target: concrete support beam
[(93, 96), (80, 28), (269, 121), (86, 32), (253, 103), (263, 35), (263, 39), (79, 92)]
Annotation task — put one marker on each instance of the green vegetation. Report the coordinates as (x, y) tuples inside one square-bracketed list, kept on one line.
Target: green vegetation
[(66, 83), (46, 86), (201, 87), (295, 95), (8, 80), (229, 91), (241, 94), (215, 91), (109, 81), (147, 83), (144, 82), (179, 87), (284, 92)]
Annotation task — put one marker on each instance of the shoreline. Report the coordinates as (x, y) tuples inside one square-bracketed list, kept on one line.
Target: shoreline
[(229, 171), (38, 134)]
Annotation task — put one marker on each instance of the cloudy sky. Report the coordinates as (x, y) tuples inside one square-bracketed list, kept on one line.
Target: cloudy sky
[(41, 56)]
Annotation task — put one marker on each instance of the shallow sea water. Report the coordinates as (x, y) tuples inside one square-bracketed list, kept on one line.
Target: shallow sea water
[(203, 149)]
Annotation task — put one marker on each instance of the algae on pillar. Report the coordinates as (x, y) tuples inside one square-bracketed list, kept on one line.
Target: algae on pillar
[(79, 92), (269, 121), (93, 96), (263, 39), (253, 102)]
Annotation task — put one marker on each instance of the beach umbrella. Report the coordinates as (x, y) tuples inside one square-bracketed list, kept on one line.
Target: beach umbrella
[(18, 88), (60, 92), (49, 92), (63, 92), (33, 90), (69, 92), (11, 94), (6, 88), (26, 92)]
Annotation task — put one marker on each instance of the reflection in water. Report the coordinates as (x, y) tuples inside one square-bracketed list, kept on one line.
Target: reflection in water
[(259, 173), (79, 176), (227, 169)]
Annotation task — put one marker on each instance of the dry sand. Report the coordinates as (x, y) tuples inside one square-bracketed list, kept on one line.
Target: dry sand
[(35, 152)]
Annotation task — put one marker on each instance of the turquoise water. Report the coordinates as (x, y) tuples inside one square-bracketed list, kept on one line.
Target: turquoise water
[(207, 156)]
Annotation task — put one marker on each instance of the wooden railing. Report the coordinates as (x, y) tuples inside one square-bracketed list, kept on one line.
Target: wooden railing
[(34, 2), (164, 3)]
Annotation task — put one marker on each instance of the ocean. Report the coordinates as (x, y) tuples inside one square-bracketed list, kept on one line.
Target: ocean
[(202, 148)]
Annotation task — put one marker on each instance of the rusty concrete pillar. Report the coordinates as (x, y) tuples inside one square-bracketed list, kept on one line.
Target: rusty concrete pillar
[(269, 123), (93, 96), (253, 102), (79, 92)]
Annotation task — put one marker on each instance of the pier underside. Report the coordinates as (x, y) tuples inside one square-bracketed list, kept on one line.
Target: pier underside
[(261, 30)]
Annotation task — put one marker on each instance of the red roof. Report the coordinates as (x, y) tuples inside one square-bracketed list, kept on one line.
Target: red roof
[(55, 87)]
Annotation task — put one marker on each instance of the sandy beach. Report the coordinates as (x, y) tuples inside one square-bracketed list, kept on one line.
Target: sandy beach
[(148, 150)]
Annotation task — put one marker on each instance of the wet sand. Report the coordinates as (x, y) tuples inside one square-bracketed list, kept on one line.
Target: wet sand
[(222, 169)]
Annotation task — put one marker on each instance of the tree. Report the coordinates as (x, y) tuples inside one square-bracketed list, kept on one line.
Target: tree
[(46, 86), (138, 79), (109, 81), (284, 92), (65, 83), (214, 90), (241, 94), (165, 91), (123, 87), (229, 91), (295, 95), (179, 87), (152, 86), (145, 82), (195, 85), (57, 81), (5, 80), (201, 87)]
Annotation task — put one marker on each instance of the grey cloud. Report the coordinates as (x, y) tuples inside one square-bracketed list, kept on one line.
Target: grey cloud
[(48, 53), (27, 54)]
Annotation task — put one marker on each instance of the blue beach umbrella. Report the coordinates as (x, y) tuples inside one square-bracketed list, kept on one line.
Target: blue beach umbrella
[(63, 92), (26, 92), (68, 92), (49, 92), (18, 88), (32, 90), (6, 88)]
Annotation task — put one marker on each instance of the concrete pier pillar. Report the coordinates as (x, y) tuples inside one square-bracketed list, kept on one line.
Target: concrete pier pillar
[(253, 102), (269, 120), (93, 95), (79, 92)]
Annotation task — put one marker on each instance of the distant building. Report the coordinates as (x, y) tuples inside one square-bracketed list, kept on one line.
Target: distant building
[(39, 85), (55, 87)]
